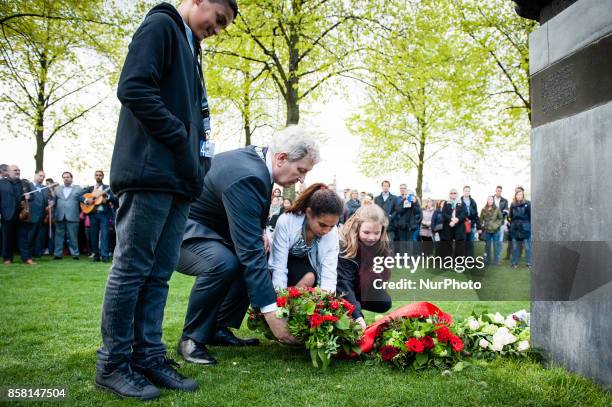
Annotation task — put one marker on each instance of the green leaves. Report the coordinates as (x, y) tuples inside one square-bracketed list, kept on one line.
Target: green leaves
[(56, 52), (343, 322)]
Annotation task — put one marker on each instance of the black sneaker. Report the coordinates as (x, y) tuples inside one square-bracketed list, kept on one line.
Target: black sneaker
[(164, 374), (125, 382)]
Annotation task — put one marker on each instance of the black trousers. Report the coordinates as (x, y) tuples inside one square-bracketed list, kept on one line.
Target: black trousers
[(297, 268), (150, 226), (219, 296), (446, 248), (9, 238)]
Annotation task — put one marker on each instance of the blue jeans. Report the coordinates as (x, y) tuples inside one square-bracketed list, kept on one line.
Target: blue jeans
[(492, 237), (515, 251), (98, 232), (150, 228)]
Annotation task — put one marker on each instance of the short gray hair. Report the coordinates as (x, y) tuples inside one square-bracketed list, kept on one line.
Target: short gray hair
[(294, 141)]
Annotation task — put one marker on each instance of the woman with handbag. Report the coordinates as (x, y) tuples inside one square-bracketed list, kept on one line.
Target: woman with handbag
[(426, 231), (491, 220)]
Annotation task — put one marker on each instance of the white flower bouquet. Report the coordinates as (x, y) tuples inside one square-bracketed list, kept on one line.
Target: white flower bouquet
[(490, 335)]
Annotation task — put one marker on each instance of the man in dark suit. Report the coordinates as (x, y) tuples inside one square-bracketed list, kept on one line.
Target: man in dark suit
[(99, 217), (224, 244), (3, 174), (13, 190), (386, 200), (39, 202)]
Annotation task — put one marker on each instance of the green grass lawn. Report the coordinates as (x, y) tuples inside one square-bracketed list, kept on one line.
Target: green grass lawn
[(49, 333)]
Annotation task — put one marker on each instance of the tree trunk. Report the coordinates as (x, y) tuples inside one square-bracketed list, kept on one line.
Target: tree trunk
[(39, 157), (39, 130), (421, 164), (246, 115), (247, 130)]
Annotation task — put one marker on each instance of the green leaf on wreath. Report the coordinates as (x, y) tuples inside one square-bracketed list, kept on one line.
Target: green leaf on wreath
[(458, 367), (344, 322), (313, 357), (421, 358), (309, 308)]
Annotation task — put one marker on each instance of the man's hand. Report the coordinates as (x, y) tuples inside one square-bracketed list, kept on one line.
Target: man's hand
[(279, 328), (266, 242)]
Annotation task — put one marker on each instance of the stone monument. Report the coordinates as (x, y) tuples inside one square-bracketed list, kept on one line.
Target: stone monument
[(571, 175)]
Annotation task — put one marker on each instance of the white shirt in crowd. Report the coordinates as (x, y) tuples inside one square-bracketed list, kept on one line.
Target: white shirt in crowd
[(287, 232), (66, 191)]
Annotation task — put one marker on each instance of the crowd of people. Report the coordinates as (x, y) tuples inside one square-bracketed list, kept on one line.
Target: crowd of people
[(44, 217), (444, 227)]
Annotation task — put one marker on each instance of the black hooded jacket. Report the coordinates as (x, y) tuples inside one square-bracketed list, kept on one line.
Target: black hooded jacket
[(160, 125)]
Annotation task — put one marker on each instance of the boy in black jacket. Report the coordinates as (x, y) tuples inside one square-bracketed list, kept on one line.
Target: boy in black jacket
[(157, 169)]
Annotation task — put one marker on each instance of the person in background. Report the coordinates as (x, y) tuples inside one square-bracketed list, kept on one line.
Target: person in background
[(3, 174), (14, 191), (408, 216), (473, 221), (40, 201), (502, 204), (99, 218), (362, 239), (49, 244), (426, 231), (403, 193), (453, 231), (352, 204), (491, 220), (509, 226), (520, 224), (437, 224), (67, 211), (386, 200), (277, 193), (367, 200)]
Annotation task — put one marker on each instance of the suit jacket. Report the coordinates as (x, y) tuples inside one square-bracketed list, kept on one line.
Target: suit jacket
[(387, 205), (37, 204), (10, 196), (233, 209), (68, 208)]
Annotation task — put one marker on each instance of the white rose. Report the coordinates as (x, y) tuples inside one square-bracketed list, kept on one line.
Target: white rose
[(484, 343), (498, 318), (503, 336), (510, 322), (473, 324), (523, 346), (497, 346)]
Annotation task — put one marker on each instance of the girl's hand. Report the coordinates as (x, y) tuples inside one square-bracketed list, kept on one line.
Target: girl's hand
[(361, 323)]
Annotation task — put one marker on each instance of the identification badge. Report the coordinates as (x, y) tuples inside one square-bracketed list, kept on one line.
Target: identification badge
[(207, 148)]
